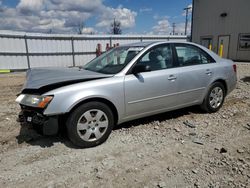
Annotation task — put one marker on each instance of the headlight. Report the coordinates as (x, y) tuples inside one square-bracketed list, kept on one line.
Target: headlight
[(34, 100)]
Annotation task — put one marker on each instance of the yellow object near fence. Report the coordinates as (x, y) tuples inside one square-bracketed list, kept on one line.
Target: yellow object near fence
[(221, 50), (4, 70), (210, 47)]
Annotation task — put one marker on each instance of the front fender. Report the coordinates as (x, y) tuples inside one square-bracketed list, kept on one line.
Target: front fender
[(65, 98)]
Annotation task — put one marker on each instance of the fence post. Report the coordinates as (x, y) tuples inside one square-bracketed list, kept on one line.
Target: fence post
[(73, 51), (27, 51)]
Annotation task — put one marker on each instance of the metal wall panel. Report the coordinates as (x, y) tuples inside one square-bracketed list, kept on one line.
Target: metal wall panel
[(12, 45), (125, 41), (43, 46), (89, 45), (51, 61), (13, 62), (83, 59), (45, 50)]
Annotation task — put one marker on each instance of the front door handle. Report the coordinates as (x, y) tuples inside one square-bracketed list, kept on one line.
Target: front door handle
[(172, 77), (208, 72)]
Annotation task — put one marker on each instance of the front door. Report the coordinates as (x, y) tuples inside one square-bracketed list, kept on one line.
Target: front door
[(149, 92), (223, 46)]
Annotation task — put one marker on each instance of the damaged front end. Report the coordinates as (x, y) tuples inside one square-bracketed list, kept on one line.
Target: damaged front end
[(47, 125), (32, 108), (34, 101)]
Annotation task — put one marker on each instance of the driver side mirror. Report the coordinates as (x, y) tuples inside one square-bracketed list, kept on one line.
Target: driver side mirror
[(141, 68)]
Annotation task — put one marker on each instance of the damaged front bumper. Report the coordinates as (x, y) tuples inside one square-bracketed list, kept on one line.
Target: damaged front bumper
[(47, 124)]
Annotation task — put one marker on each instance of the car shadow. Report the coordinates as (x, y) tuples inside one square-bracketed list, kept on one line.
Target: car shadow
[(30, 136), (161, 117), (246, 79)]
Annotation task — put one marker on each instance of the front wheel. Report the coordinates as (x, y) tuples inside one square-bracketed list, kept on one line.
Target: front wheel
[(214, 98), (90, 124)]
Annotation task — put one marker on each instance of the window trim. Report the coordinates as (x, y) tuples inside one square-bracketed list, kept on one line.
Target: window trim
[(195, 47)]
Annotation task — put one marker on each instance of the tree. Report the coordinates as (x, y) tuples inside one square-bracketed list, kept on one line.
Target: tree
[(50, 31), (116, 27), (79, 28)]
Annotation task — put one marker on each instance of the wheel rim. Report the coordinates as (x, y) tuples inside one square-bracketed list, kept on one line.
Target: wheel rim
[(216, 97), (92, 125)]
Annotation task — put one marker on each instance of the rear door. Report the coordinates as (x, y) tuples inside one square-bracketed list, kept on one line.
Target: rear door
[(195, 73)]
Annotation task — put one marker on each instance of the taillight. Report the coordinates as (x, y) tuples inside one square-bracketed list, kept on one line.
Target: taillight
[(235, 68)]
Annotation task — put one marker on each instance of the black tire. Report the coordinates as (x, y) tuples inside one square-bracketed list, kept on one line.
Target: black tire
[(74, 117), (206, 106)]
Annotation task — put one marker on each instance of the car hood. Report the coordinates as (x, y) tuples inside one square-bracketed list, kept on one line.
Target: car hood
[(45, 79)]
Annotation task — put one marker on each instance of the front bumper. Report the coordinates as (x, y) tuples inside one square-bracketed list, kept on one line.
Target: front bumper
[(47, 124)]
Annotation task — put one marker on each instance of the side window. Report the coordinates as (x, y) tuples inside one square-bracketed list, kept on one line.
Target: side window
[(190, 55), (158, 58)]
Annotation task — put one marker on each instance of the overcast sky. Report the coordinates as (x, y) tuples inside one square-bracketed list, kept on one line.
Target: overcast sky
[(65, 16)]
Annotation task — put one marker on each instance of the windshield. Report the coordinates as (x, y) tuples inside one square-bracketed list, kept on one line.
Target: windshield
[(113, 61)]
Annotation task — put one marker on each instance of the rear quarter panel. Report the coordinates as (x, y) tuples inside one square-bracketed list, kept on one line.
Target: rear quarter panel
[(230, 74), (223, 70)]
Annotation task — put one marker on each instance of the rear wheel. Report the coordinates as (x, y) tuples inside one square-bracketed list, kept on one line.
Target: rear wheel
[(214, 98), (90, 124)]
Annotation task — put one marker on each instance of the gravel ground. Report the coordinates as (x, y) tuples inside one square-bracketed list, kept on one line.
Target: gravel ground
[(159, 151)]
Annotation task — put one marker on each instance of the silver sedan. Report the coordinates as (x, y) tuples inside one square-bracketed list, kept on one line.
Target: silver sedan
[(125, 83)]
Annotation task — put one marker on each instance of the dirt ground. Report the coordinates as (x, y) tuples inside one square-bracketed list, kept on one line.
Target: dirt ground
[(159, 151)]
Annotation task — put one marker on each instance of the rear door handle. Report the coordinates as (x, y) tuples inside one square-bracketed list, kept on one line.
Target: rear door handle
[(172, 77), (208, 72)]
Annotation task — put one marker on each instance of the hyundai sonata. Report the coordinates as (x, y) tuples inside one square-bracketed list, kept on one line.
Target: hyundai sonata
[(125, 83)]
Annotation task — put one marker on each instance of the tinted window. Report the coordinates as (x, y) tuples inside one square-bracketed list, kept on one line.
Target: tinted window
[(191, 55), (158, 58)]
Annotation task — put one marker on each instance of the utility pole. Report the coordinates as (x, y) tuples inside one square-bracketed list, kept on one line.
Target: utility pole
[(186, 23), (173, 25)]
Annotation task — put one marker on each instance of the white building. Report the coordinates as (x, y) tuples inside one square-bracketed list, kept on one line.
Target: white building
[(223, 26)]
